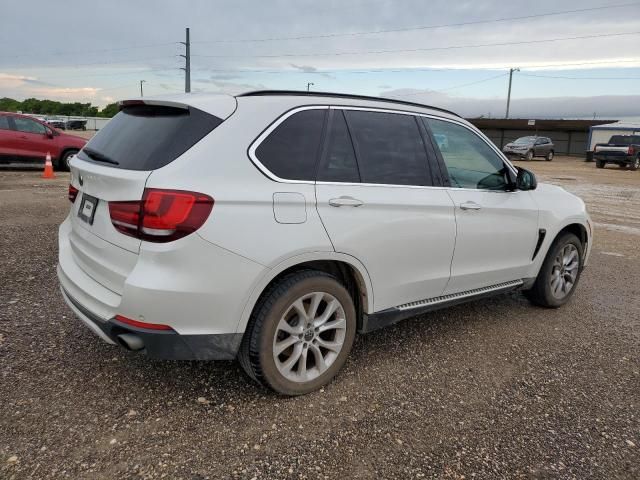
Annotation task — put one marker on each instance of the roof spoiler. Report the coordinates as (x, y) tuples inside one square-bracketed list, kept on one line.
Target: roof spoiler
[(162, 103)]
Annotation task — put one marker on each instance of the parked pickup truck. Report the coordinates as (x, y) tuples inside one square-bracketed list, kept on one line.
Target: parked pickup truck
[(624, 150)]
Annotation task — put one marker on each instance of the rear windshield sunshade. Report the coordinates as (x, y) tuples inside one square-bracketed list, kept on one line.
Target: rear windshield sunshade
[(148, 137)]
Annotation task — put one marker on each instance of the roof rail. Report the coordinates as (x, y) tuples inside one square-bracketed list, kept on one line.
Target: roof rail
[(264, 93)]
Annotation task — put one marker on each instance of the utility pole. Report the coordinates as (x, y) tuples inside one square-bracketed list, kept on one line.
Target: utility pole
[(511, 70), (141, 92), (187, 63), (309, 84)]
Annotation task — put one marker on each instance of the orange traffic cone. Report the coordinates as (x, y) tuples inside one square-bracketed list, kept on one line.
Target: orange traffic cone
[(48, 168)]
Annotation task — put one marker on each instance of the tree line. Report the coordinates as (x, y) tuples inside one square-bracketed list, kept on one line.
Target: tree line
[(52, 107)]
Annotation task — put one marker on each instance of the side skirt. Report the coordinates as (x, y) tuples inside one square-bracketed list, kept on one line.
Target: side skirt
[(393, 315)]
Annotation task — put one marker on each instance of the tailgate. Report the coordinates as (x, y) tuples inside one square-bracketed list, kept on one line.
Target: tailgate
[(114, 167), (102, 252)]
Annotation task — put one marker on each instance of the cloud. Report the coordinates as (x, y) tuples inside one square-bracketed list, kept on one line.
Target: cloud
[(232, 88), (8, 80), (66, 92), (236, 43), (27, 86), (309, 69), (604, 106)]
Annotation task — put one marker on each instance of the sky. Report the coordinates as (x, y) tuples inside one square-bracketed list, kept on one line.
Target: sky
[(576, 58)]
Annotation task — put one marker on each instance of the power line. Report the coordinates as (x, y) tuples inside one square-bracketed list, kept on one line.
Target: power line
[(429, 49), (87, 52), (580, 78), (454, 87), (335, 34), (421, 27), (75, 65), (419, 69)]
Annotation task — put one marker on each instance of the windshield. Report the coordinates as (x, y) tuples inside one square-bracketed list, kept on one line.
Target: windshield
[(625, 140), (147, 137), (525, 140)]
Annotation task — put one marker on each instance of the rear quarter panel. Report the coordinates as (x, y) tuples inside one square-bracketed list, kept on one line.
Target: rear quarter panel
[(242, 220)]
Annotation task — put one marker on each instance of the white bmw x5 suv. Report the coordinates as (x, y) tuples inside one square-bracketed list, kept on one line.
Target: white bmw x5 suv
[(272, 226)]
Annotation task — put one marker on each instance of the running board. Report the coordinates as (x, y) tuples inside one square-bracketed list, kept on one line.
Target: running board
[(393, 315)]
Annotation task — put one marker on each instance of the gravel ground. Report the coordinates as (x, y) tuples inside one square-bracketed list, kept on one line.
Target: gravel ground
[(492, 389)]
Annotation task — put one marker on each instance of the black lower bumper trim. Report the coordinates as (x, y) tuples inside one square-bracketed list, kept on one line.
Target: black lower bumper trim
[(168, 344)]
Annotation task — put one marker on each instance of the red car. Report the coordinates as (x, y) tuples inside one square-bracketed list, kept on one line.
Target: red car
[(24, 139)]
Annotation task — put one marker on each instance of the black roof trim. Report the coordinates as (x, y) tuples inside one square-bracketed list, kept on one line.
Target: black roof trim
[(264, 93)]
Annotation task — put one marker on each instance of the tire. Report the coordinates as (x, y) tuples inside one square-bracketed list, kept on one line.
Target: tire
[(549, 156), (552, 288), (529, 155), (63, 163), (599, 164), (275, 319), (636, 163)]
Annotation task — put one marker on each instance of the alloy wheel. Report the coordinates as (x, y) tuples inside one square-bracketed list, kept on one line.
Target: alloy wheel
[(309, 337), (564, 271)]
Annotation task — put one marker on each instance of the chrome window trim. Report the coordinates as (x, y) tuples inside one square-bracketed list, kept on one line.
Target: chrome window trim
[(256, 143)]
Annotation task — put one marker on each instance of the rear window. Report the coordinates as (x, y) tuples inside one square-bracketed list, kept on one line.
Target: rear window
[(625, 139), (291, 150), (148, 137)]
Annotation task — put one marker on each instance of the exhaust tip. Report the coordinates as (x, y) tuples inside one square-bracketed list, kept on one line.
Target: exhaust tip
[(130, 341)]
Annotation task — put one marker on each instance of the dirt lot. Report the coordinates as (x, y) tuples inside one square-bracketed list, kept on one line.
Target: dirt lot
[(493, 389)]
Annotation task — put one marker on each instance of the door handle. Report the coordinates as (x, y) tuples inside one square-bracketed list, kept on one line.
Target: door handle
[(470, 206), (345, 202)]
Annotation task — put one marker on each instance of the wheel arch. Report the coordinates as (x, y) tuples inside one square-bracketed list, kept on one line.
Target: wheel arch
[(579, 230), (63, 152), (350, 271)]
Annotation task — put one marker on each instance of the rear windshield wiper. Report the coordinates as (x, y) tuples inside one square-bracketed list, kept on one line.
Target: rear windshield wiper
[(99, 157)]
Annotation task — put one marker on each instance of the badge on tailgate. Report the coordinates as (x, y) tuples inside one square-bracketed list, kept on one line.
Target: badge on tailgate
[(88, 208)]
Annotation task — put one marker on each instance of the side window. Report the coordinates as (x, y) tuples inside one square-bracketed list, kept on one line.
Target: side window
[(470, 162), (389, 148), (28, 126), (291, 150), (339, 163), (4, 123)]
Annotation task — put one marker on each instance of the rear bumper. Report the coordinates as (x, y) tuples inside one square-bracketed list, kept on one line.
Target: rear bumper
[(191, 285), (162, 345), (619, 159)]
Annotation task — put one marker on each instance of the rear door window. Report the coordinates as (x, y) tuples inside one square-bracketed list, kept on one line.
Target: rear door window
[(339, 162), (291, 150), (148, 137), (389, 148)]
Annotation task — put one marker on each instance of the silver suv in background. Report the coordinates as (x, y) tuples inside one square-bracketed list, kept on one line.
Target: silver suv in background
[(530, 147)]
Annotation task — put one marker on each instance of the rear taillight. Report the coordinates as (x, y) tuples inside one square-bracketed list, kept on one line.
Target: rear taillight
[(161, 215), (631, 150), (73, 193)]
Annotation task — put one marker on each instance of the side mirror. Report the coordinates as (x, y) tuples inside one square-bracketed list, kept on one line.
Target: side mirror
[(49, 133), (526, 180)]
